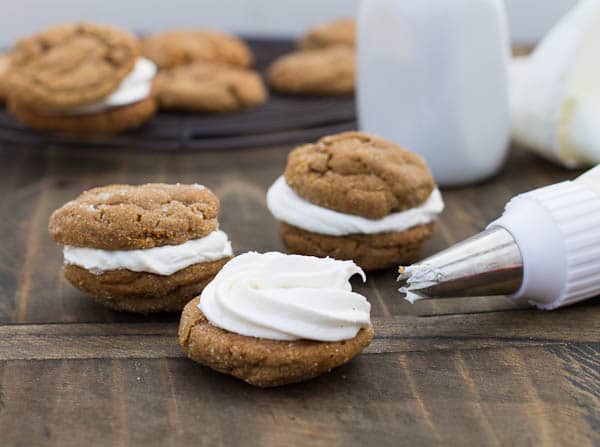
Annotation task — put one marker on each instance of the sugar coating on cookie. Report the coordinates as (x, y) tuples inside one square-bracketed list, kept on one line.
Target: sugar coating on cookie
[(272, 319), (358, 173), (326, 71), (209, 87), (71, 65), (122, 217), (336, 32), (180, 47)]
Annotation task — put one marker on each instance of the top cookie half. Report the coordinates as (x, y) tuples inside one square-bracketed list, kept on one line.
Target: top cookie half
[(357, 173), (124, 217), (71, 65)]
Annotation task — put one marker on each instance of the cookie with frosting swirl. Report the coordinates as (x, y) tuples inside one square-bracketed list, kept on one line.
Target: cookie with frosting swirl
[(272, 319)]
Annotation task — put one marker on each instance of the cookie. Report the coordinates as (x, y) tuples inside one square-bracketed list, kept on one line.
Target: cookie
[(358, 173), (174, 48), (209, 87), (262, 362), (354, 196), (4, 68), (111, 121), (145, 248), (337, 32), (71, 65), (126, 217), (143, 292), (327, 71), (369, 251)]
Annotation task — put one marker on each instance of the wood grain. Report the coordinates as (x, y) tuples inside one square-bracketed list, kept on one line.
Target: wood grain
[(467, 371), (393, 334)]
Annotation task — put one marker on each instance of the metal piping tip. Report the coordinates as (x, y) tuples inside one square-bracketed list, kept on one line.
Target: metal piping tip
[(486, 264)]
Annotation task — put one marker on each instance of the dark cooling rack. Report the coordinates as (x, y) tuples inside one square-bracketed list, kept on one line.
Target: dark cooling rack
[(281, 120)]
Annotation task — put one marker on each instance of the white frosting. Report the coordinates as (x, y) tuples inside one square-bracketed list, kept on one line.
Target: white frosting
[(419, 276), (289, 207), (286, 297), (135, 87), (555, 93), (164, 260)]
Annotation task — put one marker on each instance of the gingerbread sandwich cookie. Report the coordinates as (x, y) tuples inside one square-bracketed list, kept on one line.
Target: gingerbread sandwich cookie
[(272, 319), (80, 79), (148, 248), (356, 196)]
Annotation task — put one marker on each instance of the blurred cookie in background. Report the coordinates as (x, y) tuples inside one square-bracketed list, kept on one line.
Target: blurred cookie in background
[(337, 32), (209, 87), (4, 67), (80, 78), (173, 48), (327, 71)]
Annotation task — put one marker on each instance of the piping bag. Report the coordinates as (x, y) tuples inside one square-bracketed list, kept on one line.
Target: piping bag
[(545, 248)]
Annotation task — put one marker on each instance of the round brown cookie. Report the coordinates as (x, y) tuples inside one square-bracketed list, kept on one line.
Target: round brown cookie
[(209, 87), (142, 292), (125, 217), (107, 122), (173, 48), (4, 68), (357, 173), (259, 361), (369, 251), (327, 71), (337, 32), (71, 65)]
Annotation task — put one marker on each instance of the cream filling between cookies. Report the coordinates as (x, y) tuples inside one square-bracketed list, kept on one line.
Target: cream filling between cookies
[(164, 260), (287, 206), (286, 297), (134, 88)]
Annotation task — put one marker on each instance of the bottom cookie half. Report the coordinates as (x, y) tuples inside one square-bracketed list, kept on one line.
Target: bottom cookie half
[(108, 122), (371, 252), (258, 361), (144, 292)]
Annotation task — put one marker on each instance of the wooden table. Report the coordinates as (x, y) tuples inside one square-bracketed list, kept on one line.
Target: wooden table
[(456, 372)]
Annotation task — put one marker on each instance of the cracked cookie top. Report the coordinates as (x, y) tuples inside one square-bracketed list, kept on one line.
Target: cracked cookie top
[(71, 65), (173, 48), (209, 87), (125, 217), (357, 173)]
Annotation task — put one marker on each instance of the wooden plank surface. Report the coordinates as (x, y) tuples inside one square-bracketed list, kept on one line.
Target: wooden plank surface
[(468, 371)]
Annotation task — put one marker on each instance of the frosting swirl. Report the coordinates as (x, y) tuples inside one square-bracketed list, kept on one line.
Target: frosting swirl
[(286, 297)]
